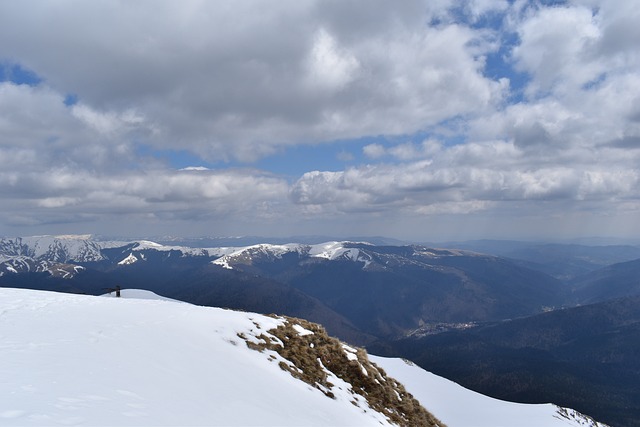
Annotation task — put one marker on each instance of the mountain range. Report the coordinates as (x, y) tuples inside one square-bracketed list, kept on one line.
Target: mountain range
[(563, 261), (377, 291), (441, 308)]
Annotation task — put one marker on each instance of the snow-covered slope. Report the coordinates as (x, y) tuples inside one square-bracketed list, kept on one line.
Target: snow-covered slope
[(458, 406), (129, 260), (61, 248), (263, 252), (143, 245), (140, 360), (81, 360), (50, 253), (140, 294)]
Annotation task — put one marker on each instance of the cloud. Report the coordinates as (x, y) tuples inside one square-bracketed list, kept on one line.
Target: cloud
[(479, 8), (329, 66), (202, 193), (107, 123), (467, 178), (406, 151), (558, 46), (345, 156), (225, 81), (481, 110), (374, 151)]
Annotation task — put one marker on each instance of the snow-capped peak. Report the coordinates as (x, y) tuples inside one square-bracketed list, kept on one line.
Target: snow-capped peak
[(62, 248), (247, 254), (329, 250), (339, 250)]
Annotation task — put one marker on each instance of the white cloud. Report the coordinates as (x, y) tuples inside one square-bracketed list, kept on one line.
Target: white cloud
[(238, 81), (330, 66), (208, 194), (107, 123), (406, 151), (557, 48), (468, 178), (374, 151), (478, 8)]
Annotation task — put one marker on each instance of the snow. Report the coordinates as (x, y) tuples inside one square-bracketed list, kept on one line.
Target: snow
[(129, 260), (329, 250), (455, 405), (229, 254), (73, 247), (337, 250), (147, 244), (350, 352), (333, 250), (224, 262), (211, 252), (140, 294), (302, 331), (143, 359), (83, 360)]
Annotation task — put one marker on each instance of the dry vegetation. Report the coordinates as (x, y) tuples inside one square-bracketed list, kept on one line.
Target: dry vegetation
[(315, 358)]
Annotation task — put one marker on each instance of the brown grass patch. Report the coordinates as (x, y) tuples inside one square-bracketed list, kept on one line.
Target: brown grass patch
[(311, 356)]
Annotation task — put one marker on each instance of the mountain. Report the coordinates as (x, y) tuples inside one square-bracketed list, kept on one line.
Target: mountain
[(357, 290), (57, 255), (205, 242), (563, 261), (614, 281), (392, 290), (85, 360), (584, 357)]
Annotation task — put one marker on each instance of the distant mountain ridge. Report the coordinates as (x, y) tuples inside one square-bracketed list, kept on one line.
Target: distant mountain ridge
[(368, 283), (383, 291), (564, 261), (614, 281)]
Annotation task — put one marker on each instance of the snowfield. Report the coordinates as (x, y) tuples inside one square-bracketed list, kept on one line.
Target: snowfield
[(143, 360), (455, 405), (83, 360)]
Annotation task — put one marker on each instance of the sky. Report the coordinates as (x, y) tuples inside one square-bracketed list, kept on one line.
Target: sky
[(419, 120)]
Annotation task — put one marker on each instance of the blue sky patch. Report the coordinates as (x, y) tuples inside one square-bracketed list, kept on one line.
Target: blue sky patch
[(19, 75), (70, 100)]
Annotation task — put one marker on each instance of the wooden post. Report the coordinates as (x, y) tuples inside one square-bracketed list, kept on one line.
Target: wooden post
[(118, 291)]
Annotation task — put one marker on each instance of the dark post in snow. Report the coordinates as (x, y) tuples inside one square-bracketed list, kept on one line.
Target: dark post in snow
[(118, 291)]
